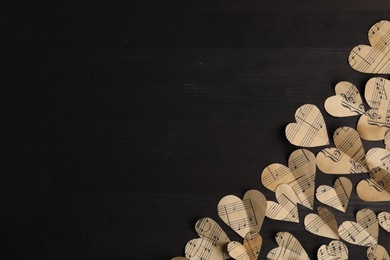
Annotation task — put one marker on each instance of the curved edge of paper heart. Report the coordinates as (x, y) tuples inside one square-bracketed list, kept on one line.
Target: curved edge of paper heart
[(368, 190), (337, 246), (267, 178), (377, 252), (384, 216), (325, 167), (333, 234), (180, 258), (370, 132)]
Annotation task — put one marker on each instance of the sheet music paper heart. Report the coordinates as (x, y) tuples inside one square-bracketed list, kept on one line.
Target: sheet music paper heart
[(377, 252), (246, 215), (374, 58), (300, 175), (249, 250), (212, 242), (364, 232), (337, 196), (335, 250), (309, 129), (289, 248), (384, 220), (324, 224), (348, 156), (286, 209), (346, 102)]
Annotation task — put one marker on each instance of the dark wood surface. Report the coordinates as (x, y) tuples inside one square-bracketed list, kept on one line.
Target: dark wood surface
[(123, 124)]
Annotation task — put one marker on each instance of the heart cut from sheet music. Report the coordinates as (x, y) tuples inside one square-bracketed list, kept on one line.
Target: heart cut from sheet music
[(346, 102), (363, 232), (335, 250), (377, 252), (337, 196), (300, 175), (288, 248), (246, 215), (249, 250), (309, 129), (324, 224), (211, 244), (286, 208), (374, 58), (384, 220), (348, 156)]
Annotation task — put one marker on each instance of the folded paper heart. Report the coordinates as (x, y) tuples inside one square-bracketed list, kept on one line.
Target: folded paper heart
[(289, 248), (309, 129), (324, 224), (364, 232), (348, 156), (249, 250), (335, 250), (246, 215), (377, 252), (300, 175), (374, 58), (212, 242), (286, 209), (337, 196), (384, 220), (346, 102)]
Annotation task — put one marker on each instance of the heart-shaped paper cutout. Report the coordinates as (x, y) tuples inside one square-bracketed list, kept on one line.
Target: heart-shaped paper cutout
[(324, 224), (364, 232), (246, 215), (249, 250), (377, 252), (348, 156), (335, 250), (286, 209), (212, 242), (346, 102), (384, 220), (289, 248), (337, 196), (300, 176), (374, 58), (309, 129)]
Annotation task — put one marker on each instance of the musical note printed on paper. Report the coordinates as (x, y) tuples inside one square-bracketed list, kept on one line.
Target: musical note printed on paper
[(377, 252), (384, 220), (288, 248), (335, 250), (249, 250), (246, 215), (286, 208), (324, 224), (300, 175), (309, 129), (374, 58), (337, 196)]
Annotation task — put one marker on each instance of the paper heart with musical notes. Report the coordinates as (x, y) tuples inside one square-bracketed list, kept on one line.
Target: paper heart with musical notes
[(377, 252), (309, 129), (286, 208), (324, 224), (300, 175), (363, 232), (289, 248), (374, 58), (348, 156), (346, 102), (337, 196), (246, 215), (335, 250), (384, 220), (249, 250), (212, 242)]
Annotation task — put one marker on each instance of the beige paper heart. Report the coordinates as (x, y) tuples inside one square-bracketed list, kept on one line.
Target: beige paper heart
[(300, 176), (348, 156), (335, 250), (346, 102), (309, 129), (364, 232), (286, 208), (246, 215), (384, 220), (324, 224), (337, 196), (289, 248), (249, 250), (377, 252), (374, 58)]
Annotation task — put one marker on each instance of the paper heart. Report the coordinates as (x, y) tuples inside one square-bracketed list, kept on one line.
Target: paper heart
[(212, 242), (377, 252), (300, 176), (387, 140), (364, 232), (384, 220), (289, 248), (249, 250), (309, 129), (286, 209), (337, 196), (347, 157), (324, 224), (335, 250), (374, 58), (246, 215), (346, 102)]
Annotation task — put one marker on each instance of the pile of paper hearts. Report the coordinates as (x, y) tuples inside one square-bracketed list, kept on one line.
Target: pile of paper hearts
[(295, 183)]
